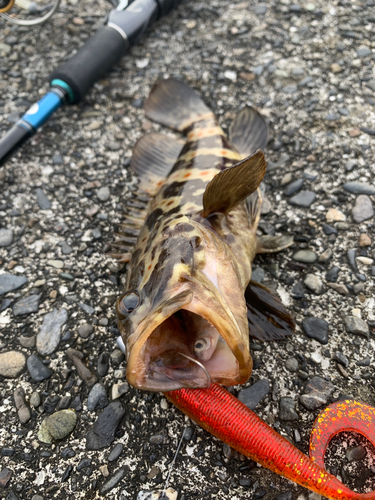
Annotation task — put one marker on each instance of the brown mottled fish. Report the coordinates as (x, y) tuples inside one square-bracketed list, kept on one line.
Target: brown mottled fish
[(189, 298)]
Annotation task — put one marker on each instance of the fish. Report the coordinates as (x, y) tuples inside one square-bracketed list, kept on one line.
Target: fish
[(189, 302)]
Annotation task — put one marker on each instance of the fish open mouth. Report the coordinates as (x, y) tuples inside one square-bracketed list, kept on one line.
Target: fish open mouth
[(185, 350)]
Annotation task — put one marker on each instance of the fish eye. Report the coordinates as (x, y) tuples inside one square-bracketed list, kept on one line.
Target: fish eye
[(199, 345), (128, 302)]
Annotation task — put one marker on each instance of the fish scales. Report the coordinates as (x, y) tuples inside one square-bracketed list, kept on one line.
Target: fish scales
[(183, 316)]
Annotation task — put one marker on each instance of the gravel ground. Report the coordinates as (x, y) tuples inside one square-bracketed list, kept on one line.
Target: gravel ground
[(309, 69)]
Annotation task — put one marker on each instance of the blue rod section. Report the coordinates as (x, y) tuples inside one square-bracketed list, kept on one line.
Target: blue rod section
[(39, 112), (34, 118)]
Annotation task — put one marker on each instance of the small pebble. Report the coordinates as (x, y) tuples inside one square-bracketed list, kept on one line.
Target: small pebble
[(38, 371), (113, 481), (48, 338), (334, 215), (351, 254), (355, 454), (5, 475), (57, 264), (97, 398), (12, 363), (341, 358), (359, 188), (103, 364), (316, 393), (303, 199), (27, 342), (287, 409), (293, 187), (356, 325), (86, 375), (116, 452), (170, 494), (363, 209), (305, 256), (119, 389), (316, 328), (291, 364), (42, 200), (103, 193), (27, 305), (253, 395), (6, 237), (85, 330), (35, 399), (332, 274), (57, 426), (103, 431), (364, 240), (315, 284), (9, 282), (23, 410), (325, 256)]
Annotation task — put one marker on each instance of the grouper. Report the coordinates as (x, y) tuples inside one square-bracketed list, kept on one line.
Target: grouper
[(189, 302)]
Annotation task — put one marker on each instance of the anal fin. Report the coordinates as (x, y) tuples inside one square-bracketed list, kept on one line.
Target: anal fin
[(268, 318), (248, 131), (232, 185), (153, 158)]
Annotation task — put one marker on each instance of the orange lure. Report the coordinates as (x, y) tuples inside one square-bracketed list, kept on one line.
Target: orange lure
[(224, 416)]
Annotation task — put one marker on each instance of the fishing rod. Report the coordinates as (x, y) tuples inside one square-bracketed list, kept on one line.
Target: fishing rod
[(70, 82)]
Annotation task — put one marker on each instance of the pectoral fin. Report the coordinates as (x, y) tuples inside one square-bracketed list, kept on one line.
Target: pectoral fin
[(233, 185), (268, 318), (272, 244)]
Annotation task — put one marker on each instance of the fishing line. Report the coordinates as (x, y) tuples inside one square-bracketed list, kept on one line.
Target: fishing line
[(163, 496)]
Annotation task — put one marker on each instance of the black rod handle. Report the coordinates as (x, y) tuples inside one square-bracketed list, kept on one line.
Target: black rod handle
[(94, 59)]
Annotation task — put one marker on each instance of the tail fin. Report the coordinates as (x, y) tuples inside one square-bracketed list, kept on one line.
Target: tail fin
[(174, 104)]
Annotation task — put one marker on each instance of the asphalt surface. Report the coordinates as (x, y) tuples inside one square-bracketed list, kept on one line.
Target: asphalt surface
[(309, 68)]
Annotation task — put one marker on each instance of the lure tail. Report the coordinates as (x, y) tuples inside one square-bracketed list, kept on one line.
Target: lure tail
[(224, 416)]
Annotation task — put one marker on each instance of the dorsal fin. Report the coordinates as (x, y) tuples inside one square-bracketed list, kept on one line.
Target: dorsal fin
[(248, 131), (153, 158), (175, 104), (233, 185)]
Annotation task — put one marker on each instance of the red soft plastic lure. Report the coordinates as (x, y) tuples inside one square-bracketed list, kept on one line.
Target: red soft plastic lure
[(224, 416)]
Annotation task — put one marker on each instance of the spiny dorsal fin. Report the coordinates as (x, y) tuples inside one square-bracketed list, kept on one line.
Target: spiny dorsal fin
[(153, 158), (248, 131), (268, 318), (175, 104), (233, 185), (271, 244)]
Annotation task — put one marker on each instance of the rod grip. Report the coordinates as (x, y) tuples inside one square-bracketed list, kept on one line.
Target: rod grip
[(93, 60)]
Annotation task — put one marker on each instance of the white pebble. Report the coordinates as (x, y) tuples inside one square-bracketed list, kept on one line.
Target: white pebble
[(156, 494), (365, 260), (317, 357), (164, 404), (356, 313)]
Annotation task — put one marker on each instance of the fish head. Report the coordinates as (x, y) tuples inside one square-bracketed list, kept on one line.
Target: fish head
[(184, 319)]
